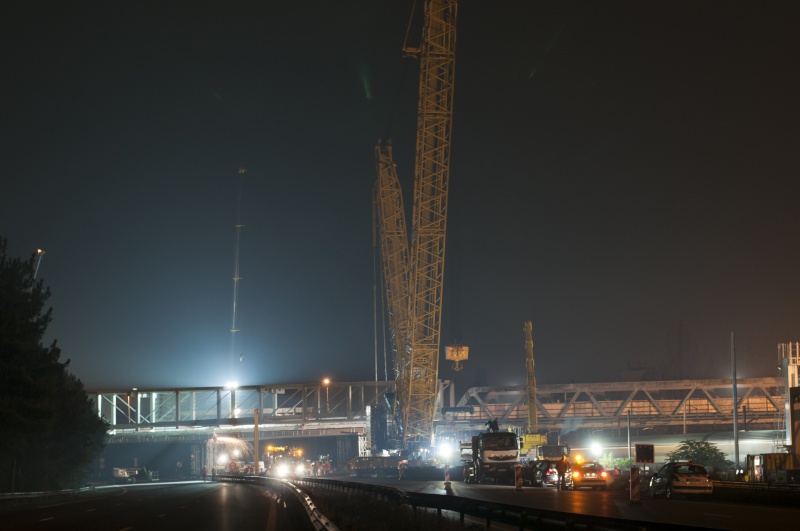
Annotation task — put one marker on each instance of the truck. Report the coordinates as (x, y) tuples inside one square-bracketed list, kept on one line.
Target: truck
[(494, 455), (535, 447), (134, 475), (552, 452), (529, 444)]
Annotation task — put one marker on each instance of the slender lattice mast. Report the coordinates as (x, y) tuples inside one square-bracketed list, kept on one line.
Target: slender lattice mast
[(236, 277)]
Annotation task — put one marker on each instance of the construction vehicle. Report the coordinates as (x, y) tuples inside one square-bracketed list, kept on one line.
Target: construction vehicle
[(494, 455), (413, 274), (134, 475), (553, 452), (539, 449), (535, 446)]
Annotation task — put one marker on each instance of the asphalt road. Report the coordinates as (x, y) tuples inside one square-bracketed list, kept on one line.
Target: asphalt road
[(695, 512), (166, 506), (236, 506)]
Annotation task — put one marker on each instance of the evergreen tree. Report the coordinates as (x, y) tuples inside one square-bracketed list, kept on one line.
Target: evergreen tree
[(51, 431)]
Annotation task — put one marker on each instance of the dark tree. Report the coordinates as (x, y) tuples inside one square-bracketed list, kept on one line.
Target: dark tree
[(50, 429), (703, 453)]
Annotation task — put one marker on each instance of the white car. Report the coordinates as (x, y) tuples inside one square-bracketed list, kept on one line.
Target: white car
[(681, 477)]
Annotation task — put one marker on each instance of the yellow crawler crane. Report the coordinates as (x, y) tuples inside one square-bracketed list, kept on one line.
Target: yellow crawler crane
[(531, 440), (416, 333)]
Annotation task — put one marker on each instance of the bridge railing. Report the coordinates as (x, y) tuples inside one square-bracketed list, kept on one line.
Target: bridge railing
[(217, 406)]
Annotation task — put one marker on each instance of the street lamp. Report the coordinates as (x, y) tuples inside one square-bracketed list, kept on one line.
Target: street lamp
[(326, 382)]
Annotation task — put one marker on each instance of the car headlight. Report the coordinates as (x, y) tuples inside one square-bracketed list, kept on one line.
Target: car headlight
[(300, 470), (283, 470)]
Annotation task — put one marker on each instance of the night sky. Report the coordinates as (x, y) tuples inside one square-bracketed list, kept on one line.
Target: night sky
[(623, 174)]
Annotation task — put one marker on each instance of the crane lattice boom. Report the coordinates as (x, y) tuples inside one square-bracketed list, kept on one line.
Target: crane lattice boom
[(391, 220), (533, 420), (432, 172), (417, 362)]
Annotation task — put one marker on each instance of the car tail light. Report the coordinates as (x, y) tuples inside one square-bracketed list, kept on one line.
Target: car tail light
[(576, 475)]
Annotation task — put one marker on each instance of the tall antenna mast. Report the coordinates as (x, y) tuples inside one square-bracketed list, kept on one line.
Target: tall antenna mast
[(236, 277), (39, 255)]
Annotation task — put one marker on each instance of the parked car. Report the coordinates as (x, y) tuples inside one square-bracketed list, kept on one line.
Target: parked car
[(681, 477), (544, 473), (589, 475)]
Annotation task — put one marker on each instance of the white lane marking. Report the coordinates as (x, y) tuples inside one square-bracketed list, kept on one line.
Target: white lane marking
[(162, 515), (126, 529), (46, 519), (90, 510)]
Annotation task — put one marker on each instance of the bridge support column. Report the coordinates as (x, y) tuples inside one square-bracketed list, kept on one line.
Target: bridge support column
[(219, 406)]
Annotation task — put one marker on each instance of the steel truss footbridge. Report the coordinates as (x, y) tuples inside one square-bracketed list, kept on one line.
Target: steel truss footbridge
[(344, 408)]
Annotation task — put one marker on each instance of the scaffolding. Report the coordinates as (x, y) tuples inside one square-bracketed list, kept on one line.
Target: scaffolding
[(789, 369)]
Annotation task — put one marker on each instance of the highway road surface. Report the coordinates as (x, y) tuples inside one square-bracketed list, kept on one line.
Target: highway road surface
[(166, 506), (239, 506), (695, 512)]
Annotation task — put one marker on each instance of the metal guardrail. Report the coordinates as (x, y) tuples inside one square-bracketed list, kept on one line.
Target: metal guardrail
[(19, 498), (317, 519), (523, 517), (783, 494), (757, 486)]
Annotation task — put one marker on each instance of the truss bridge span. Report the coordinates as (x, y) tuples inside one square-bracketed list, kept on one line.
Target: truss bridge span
[(699, 404), (342, 408)]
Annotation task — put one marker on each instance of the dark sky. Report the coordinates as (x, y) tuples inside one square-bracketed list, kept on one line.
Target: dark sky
[(620, 170)]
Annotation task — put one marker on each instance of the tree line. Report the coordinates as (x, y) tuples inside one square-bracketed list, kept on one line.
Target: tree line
[(50, 429)]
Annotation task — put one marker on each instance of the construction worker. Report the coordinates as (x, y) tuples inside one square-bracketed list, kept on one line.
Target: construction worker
[(562, 466)]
